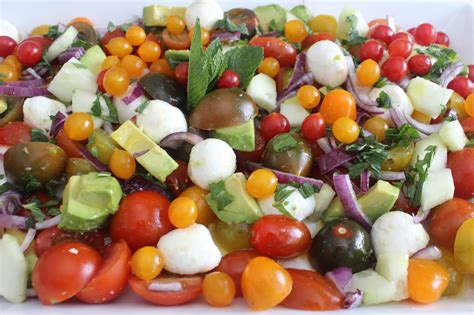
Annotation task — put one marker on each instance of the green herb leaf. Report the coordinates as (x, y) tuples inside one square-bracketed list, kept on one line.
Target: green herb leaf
[(444, 58), (79, 65), (175, 57), (215, 62), (53, 32), (80, 43), (30, 222), (124, 27), (27, 183), (111, 27), (370, 154), (281, 194), (353, 37), (5, 187), (113, 114), (38, 215), (384, 100), (401, 137), (305, 189), (357, 169), (53, 212), (96, 109), (52, 185), (284, 142), (244, 60), (95, 152), (227, 25), (220, 194), (381, 82), (140, 109), (198, 77), (38, 136)]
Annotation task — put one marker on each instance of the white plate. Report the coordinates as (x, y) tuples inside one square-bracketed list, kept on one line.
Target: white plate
[(455, 17)]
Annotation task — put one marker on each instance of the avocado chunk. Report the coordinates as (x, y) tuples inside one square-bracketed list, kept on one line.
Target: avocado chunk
[(241, 137), (150, 155), (231, 202), (175, 57), (377, 201), (156, 15), (88, 200), (271, 17), (93, 59)]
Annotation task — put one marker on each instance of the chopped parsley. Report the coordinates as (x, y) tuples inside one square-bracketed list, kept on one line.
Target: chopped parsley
[(38, 136), (284, 142), (281, 194), (5, 187), (384, 101), (52, 185), (220, 194), (96, 109), (370, 155), (444, 58), (305, 189), (381, 82), (401, 137), (53, 32)]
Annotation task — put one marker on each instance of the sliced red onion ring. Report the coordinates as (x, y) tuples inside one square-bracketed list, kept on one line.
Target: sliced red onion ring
[(10, 202), (29, 83), (365, 181), (333, 142), (33, 73), (73, 52), (48, 223), (353, 299), (29, 237), (341, 277), (391, 23), (404, 83), (430, 253), (398, 119), (291, 90), (324, 144), (175, 140), (108, 128), (20, 91), (94, 161), (284, 178), (450, 73), (57, 124), (136, 93), (271, 34), (9, 221), (332, 160), (226, 36), (174, 286), (367, 107), (361, 93), (402, 117), (392, 176), (345, 192)]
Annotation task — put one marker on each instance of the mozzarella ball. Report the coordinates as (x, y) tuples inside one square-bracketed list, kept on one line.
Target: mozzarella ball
[(295, 204), (128, 111), (208, 12), (398, 98), (189, 251), (37, 111), (160, 119), (327, 63), (396, 232), (210, 161)]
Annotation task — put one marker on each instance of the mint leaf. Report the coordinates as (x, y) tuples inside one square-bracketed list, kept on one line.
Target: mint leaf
[(353, 37), (220, 194), (384, 101), (284, 142), (244, 60), (198, 77), (54, 212), (38, 136), (140, 109), (215, 61), (401, 137), (370, 154), (229, 26), (110, 27), (305, 189)]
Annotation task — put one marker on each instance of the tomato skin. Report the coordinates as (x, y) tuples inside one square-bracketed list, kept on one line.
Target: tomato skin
[(112, 277), (468, 125), (471, 72), (419, 64), (179, 42), (70, 147), (371, 49), (192, 289), (228, 79), (108, 36), (395, 68), (64, 270), (14, 133), (312, 291), (41, 40), (425, 34), (461, 85), (100, 80), (460, 163), (234, 265), (141, 220), (400, 47), (402, 35), (442, 39), (274, 124), (181, 73), (313, 127), (7, 46), (28, 52), (178, 180), (314, 38), (280, 236), (274, 47), (382, 32), (446, 220)]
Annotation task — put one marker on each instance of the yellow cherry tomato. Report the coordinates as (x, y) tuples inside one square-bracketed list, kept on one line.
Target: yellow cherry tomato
[(133, 65), (323, 24), (110, 61), (78, 126), (377, 126), (116, 81), (8, 73), (149, 51), (119, 46), (456, 102), (175, 24), (135, 35), (269, 66), (427, 280), (122, 164), (182, 212), (469, 105), (308, 96), (40, 30), (13, 61), (295, 31), (261, 183), (336, 104), (147, 263), (205, 214), (345, 130), (464, 247), (218, 289), (368, 72)]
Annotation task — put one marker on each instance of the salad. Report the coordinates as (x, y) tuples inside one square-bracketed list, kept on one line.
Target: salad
[(301, 160)]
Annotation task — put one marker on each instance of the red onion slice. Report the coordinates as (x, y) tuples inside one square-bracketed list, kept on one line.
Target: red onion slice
[(9, 221), (361, 93), (345, 192), (94, 161), (74, 52), (10, 202), (324, 144), (29, 237), (367, 107), (175, 140), (353, 299), (392, 176), (450, 73), (429, 253), (136, 93), (33, 73), (48, 223), (226, 36), (341, 277), (20, 91), (29, 83), (332, 160), (57, 124), (365, 181)]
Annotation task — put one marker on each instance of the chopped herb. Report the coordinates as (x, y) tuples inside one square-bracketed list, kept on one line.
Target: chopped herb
[(353, 37), (124, 27), (28, 184), (111, 27), (401, 137), (5, 187), (53, 212), (37, 213), (416, 176), (52, 185), (80, 43), (370, 156), (450, 118), (381, 82), (227, 25), (95, 152), (284, 142), (38, 136), (305, 189), (91, 139), (444, 58), (44, 62), (384, 100), (220, 194), (79, 65), (239, 42), (281, 194), (469, 144), (96, 109), (53, 32), (140, 109)]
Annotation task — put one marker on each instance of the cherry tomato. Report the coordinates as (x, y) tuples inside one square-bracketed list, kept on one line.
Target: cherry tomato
[(274, 124), (44, 42), (261, 183), (462, 168), (205, 36), (14, 133), (323, 23), (280, 236), (141, 220), (468, 126), (109, 35), (80, 19), (205, 214), (228, 79), (400, 47), (265, 283), (116, 81), (191, 289), (147, 263), (274, 47), (182, 212), (314, 38), (181, 73), (70, 147), (122, 164), (427, 280), (312, 291), (119, 46), (411, 31), (464, 247), (109, 62), (313, 127), (111, 279), (254, 156), (382, 32), (295, 31), (395, 68), (425, 34), (28, 53), (175, 24), (469, 105), (345, 130), (379, 21), (218, 289), (377, 126), (402, 35), (63, 270), (371, 49), (162, 66), (471, 72), (7, 46), (336, 104), (308, 96), (269, 66), (40, 30), (446, 220), (178, 180), (456, 279), (368, 72), (457, 103), (13, 61), (442, 39), (149, 51), (100, 80), (461, 85), (78, 126), (8, 73), (178, 42), (133, 65), (234, 264), (135, 35), (419, 64)]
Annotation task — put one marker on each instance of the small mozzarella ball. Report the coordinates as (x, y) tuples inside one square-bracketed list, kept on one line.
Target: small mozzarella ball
[(295, 204), (208, 12), (37, 111), (327, 63)]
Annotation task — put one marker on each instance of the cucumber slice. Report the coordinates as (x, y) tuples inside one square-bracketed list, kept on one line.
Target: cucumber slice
[(351, 19), (376, 288), (63, 42), (437, 188), (453, 135), (294, 112), (428, 97), (394, 267), (93, 59)]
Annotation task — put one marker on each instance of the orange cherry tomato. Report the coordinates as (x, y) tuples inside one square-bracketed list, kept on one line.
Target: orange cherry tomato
[(345, 130), (218, 289), (119, 46), (295, 31), (269, 66), (147, 263), (182, 212), (81, 19), (149, 51), (178, 42), (336, 104), (116, 81), (308, 96), (427, 280), (78, 126), (205, 214), (162, 66), (175, 24), (133, 65), (261, 183), (122, 164), (135, 35)]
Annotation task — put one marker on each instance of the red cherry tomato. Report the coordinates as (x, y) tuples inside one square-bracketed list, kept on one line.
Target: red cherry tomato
[(274, 47), (7, 46), (461, 85), (425, 34), (371, 49), (468, 126), (112, 277), (100, 80), (191, 290), (178, 180), (312, 291), (403, 35), (254, 156), (382, 32), (411, 31), (179, 42), (70, 147), (280, 236), (314, 38), (400, 47), (395, 68), (109, 35), (228, 79), (460, 163), (313, 127), (63, 270), (446, 220), (471, 72), (402, 203), (41, 40), (234, 264), (28, 52), (14, 133), (273, 124), (141, 220), (442, 39), (54, 235), (181, 73), (419, 64)]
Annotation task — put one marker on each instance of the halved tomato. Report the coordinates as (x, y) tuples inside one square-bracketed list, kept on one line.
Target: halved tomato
[(179, 42), (70, 147), (191, 289), (14, 133)]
